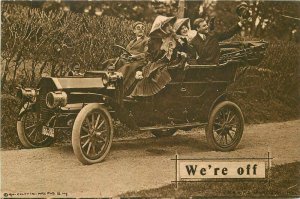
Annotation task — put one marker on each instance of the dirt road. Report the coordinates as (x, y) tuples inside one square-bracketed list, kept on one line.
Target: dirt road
[(134, 165)]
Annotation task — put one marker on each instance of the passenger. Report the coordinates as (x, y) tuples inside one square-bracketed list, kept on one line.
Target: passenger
[(182, 28), (137, 47), (206, 43), (163, 50)]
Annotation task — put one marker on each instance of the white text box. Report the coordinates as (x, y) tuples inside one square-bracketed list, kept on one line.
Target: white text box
[(203, 169)]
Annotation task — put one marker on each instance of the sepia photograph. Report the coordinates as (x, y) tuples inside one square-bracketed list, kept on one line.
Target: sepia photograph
[(150, 99)]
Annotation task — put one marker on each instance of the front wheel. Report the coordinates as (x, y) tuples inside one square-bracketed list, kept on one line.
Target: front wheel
[(92, 134), (29, 129), (225, 127)]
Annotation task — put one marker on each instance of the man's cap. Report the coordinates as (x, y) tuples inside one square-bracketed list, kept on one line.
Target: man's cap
[(241, 5), (137, 23)]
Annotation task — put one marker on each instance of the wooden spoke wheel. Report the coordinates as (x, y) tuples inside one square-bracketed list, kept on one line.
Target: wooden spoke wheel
[(29, 129), (92, 134), (225, 127)]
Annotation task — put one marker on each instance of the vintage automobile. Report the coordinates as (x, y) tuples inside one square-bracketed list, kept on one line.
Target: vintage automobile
[(87, 105)]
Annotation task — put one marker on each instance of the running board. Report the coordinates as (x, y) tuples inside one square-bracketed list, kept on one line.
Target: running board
[(174, 126)]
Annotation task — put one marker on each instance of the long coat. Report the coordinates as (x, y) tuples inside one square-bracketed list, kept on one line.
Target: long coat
[(128, 69), (138, 47), (156, 75), (208, 50)]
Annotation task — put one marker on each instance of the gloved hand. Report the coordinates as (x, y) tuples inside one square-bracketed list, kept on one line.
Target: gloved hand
[(242, 21), (139, 75), (183, 54), (133, 57), (123, 56)]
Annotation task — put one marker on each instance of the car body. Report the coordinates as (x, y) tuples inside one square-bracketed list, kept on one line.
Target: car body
[(87, 104)]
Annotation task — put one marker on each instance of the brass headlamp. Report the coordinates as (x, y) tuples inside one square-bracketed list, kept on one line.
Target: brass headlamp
[(27, 94), (56, 99)]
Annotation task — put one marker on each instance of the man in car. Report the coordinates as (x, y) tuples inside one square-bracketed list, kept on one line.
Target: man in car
[(206, 43), (137, 47)]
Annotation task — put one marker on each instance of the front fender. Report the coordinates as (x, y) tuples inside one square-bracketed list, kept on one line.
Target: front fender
[(25, 107)]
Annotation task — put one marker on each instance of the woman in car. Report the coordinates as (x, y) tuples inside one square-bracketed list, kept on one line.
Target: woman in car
[(182, 28), (164, 49)]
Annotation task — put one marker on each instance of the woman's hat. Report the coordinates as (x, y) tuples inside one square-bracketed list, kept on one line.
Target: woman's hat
[(159, 22), (180, 22)]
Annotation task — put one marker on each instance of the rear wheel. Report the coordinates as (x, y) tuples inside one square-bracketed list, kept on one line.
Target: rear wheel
[(164, 133), (92, 134), (29, 129), (225, 127)]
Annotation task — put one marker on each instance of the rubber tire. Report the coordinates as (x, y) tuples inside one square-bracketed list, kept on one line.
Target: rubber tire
[(77, 129), (209, 129), (160, 134), (22, 137)]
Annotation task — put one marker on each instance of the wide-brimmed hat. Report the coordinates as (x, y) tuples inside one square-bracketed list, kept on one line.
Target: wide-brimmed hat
[(159, 22), (180, 22)]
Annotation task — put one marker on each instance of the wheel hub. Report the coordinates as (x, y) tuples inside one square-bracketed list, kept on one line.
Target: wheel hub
[(225, 128)]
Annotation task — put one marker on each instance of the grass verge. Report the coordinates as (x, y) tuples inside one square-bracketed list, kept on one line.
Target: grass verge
[(284, 182)]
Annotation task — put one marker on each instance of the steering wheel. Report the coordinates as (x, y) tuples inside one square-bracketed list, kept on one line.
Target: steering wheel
[(122, 48), (126, 55)]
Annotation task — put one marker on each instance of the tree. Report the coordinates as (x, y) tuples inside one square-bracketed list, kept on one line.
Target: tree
[(267, 18), (181, 9)]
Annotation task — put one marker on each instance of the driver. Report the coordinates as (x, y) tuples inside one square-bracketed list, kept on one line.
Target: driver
[(136, 47), (139, 46)]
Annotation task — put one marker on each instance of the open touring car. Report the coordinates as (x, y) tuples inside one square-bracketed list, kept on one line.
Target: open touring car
[(87, 105)]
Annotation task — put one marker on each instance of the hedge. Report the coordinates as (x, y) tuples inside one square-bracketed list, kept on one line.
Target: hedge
[(55, 41)]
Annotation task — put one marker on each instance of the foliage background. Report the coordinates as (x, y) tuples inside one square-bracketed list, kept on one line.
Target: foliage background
[(269, 19), (38, 39)]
